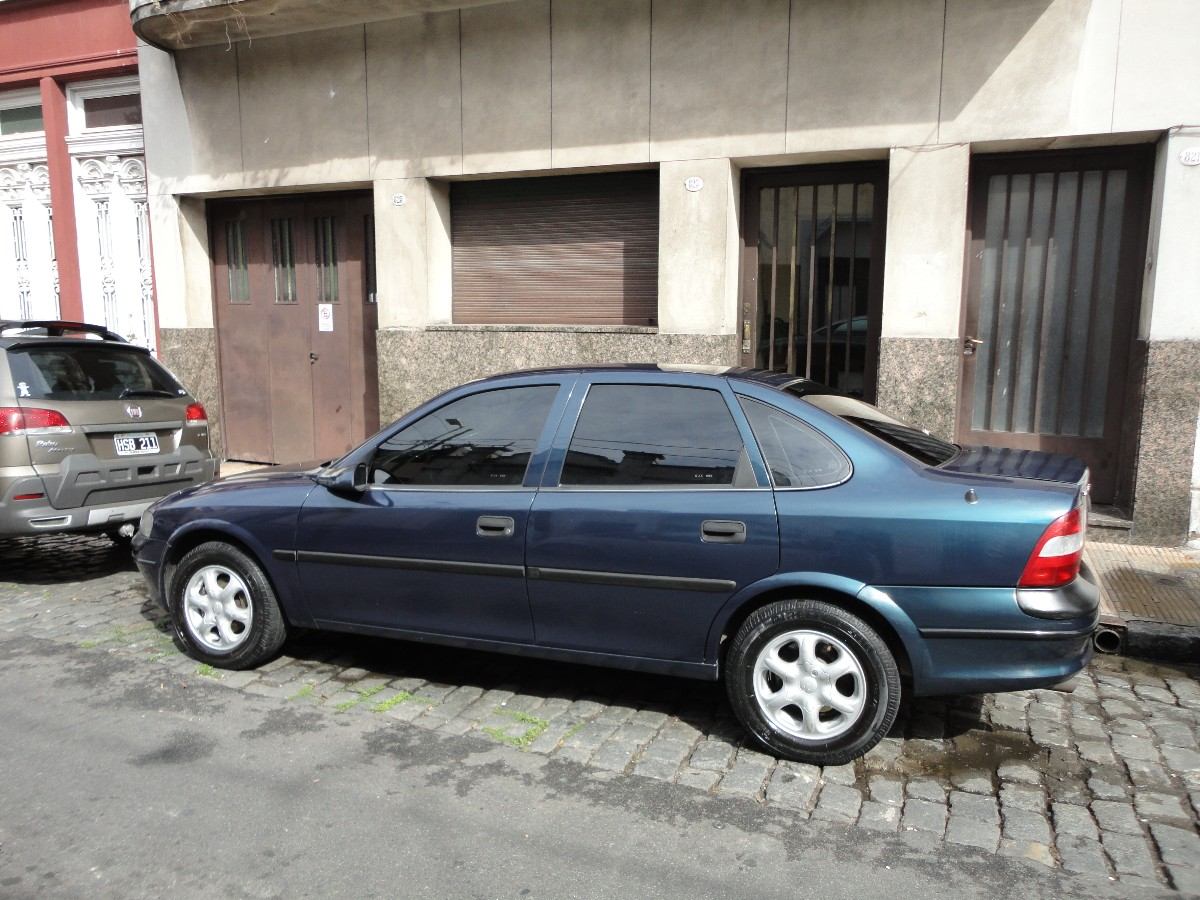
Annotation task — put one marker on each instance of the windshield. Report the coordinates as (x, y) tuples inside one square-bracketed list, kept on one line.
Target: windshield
[(919, 444), (88, 373)]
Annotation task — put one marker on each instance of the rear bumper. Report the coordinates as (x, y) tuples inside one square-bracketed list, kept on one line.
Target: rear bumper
[(976, 640), (114, 504)]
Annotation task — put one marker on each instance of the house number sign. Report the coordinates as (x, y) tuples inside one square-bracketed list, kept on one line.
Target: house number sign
[(1190, 156), (694, 183)]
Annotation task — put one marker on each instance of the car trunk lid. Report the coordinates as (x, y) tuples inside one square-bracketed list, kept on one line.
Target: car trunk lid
[(1010, 463)]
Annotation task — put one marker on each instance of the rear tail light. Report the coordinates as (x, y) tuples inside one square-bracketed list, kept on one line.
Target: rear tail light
[(29, 420), (196, 414), (1056, 558)]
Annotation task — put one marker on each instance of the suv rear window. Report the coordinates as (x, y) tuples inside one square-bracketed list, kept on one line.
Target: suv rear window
[(88, 373), (920, 445)]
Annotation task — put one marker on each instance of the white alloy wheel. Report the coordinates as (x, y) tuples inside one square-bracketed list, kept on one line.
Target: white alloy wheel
[(809, 685)]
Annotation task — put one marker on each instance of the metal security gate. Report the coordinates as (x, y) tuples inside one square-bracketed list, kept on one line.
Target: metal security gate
[(813, 273), (1054, 275), (296, 323)]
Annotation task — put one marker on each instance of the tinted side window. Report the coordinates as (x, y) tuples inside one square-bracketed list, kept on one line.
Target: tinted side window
[(484, 439), (649, 435), (796, 454)]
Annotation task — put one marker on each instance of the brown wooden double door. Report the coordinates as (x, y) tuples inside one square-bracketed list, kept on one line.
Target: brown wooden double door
[(1055, 271), (296, 321)]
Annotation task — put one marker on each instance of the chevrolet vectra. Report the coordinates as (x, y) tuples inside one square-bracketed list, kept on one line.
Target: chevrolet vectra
[(816, 555)]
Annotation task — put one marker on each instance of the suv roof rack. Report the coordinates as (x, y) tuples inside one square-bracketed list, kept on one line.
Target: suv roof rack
[(59, 328)]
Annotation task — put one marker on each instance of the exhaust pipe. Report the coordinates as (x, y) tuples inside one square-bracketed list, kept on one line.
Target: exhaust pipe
[(1108, 640)]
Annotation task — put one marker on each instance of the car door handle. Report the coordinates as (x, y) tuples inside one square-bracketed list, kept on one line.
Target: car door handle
[(719, 531), (495, 526)]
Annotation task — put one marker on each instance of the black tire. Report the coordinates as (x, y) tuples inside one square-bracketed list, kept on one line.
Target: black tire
[(257, 643), (879, 693)]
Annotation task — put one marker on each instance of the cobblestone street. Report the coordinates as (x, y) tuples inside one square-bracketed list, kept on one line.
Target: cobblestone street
[(1101, 780)]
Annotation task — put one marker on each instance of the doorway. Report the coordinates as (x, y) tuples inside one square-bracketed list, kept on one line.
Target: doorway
[(1054, 275), (296, 318), (812, 272)]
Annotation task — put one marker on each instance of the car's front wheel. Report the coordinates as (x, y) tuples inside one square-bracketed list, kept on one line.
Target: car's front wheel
[(223, 608), (812, 682)]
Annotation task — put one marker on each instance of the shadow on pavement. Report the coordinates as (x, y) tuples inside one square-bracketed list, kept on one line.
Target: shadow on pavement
[(62, 558)]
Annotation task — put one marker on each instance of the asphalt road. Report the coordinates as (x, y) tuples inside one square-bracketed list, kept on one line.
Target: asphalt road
[(120, 781)]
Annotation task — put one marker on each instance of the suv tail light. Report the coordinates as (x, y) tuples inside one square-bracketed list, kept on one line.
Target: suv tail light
[(196, 414), (1056, 558), (29, 420)]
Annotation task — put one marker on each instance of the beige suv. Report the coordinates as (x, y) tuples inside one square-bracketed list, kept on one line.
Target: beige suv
[(92, 431)]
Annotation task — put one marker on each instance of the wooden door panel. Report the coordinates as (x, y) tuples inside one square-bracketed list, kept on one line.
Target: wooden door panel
[(242, 309)]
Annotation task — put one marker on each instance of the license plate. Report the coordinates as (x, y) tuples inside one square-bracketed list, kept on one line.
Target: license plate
[(136, 444)]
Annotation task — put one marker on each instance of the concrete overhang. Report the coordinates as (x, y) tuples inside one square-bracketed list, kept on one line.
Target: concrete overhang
[(179, 24)]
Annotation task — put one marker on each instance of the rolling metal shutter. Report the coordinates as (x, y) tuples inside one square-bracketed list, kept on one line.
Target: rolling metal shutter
[(571, 250)]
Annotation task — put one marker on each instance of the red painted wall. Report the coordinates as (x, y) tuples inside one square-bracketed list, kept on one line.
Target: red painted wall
[(64, 38)]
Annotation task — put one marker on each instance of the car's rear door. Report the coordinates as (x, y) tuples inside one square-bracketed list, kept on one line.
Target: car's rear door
[(650, 517), (436, 543)]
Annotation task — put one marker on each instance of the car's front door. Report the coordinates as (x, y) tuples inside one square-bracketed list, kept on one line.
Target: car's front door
[(651, 518), (436, 543)]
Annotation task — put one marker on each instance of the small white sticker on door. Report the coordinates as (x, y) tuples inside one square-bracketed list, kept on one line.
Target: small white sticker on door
[(324, 317)]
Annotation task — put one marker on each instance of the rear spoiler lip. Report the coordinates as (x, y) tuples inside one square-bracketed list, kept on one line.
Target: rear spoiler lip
[(26, 343), (61, 326)]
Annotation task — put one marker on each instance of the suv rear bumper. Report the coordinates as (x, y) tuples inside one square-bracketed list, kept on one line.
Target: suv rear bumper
[(20, 518)]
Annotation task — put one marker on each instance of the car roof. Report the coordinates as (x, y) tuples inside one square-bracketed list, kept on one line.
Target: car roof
[(780, 380)]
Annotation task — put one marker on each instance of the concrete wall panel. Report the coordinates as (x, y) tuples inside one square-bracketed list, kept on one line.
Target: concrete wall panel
[(601, 82), (697, 248), (864, 74), (1028, 68), (401, 274), (506, 87), (304, 109), (1172, 291), (926, 241), (414, 97), (1159, 65), (719, 78), (193, 128), (182, 267)]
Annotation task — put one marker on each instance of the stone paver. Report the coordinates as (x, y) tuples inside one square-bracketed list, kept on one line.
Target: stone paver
[(1102, 782)]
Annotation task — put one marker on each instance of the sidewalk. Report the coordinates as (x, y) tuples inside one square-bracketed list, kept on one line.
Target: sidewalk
[(1149, 599)]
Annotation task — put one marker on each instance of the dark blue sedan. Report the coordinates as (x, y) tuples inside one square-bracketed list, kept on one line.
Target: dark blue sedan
[(817, 555)]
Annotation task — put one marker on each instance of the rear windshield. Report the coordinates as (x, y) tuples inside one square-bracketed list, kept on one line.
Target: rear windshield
[(920, 445), (88, 373)]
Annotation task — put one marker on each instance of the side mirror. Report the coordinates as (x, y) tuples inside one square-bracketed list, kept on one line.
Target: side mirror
[(345, 480)]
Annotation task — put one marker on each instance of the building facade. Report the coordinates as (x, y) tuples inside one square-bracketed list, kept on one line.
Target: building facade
[(74, 217), (982, 216)]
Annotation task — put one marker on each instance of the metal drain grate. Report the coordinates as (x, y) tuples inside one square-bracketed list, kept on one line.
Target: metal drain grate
[(1155, 584)]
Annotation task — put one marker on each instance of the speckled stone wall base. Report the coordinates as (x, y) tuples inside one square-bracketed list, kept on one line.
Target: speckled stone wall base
[(415, 365), (191, 353), (918, 381), (1167, 443)]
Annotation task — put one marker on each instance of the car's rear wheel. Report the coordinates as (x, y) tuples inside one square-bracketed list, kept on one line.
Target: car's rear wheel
[(223, 608), (812, 682)]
